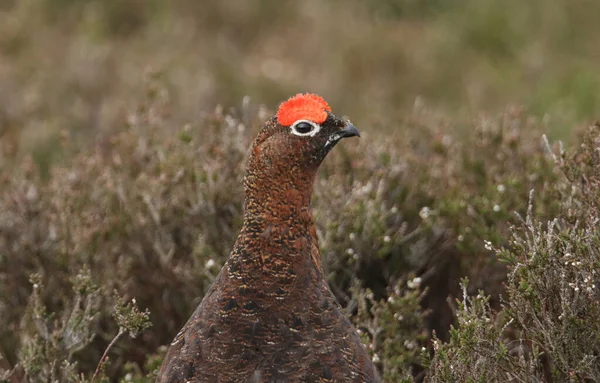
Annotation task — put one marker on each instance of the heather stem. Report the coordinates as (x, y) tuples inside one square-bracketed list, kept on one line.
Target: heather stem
[(105, 355)]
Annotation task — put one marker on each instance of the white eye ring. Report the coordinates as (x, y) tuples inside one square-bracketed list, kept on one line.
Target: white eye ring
[(311, 133)]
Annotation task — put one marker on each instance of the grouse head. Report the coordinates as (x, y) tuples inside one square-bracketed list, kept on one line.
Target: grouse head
[(301, 133), (290, 147)]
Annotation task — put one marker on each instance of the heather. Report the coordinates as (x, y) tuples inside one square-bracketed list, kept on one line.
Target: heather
[(463, 245)]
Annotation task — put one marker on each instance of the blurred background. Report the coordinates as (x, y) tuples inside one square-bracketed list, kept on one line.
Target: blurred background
[(124, 130), (74, 65)]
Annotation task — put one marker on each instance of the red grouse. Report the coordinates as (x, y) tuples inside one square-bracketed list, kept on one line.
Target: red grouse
[(270, 315)]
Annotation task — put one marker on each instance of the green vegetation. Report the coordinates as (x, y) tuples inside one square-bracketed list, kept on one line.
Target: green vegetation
[(120, 194)]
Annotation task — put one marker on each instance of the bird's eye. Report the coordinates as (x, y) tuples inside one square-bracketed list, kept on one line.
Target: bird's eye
[(305, 128)]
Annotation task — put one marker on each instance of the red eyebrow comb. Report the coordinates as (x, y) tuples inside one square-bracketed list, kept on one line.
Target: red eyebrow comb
[(303, 106)]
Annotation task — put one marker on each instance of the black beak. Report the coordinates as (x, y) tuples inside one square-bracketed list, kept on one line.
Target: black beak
[(349, 131)]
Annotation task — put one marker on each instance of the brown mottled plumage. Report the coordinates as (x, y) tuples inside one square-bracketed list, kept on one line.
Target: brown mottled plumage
[(270, 316)]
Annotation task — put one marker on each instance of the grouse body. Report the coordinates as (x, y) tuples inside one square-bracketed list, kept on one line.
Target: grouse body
[(270, 315)]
